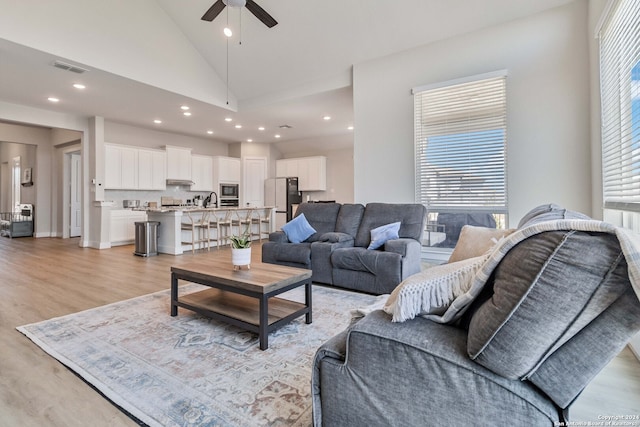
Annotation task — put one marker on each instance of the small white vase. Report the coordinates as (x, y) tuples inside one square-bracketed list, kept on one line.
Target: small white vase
[(240, 257)]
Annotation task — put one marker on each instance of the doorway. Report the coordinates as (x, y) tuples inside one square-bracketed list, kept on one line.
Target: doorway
[(255, 172), (75, 195)]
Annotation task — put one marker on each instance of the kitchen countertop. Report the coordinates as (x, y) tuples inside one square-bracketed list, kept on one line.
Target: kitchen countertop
[(162, 209)]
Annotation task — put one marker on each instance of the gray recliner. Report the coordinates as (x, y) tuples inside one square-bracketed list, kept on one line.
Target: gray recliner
[(556, 310)]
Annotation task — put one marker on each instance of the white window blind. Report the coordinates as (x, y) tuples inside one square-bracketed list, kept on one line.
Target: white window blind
[(620, 103), (460, 143)]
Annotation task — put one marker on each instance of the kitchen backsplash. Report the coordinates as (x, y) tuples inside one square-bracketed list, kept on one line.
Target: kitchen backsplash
[(175, 191)]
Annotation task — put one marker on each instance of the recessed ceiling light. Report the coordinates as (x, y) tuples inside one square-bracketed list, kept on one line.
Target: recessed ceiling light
[(249, 140), (184, 107), (326, 118), (261, 128), (52, 99), (210, 132), (79, 86), (238, 126), (350, 128), (277, 135), (157, 121), (227, 31), (187, 113), (228, 119)]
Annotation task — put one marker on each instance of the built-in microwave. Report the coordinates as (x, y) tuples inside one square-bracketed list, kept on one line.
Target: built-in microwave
[(229, 191)]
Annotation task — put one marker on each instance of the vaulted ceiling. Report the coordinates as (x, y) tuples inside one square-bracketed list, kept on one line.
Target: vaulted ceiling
[(147, 58)]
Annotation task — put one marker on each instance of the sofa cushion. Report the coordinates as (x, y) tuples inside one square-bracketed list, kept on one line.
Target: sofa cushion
[(411, 217), (298, 229), (349, 219), (361, 259), (545, 290), (380, 235), (476, 241), (321, 216)]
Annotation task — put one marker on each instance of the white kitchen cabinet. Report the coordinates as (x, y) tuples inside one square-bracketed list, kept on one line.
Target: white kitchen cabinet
[(112, 167), (226, 170), (121, 167), (286, 168), (311, 172), (178, 162), (202, 173), (123, 231), (152, 169)]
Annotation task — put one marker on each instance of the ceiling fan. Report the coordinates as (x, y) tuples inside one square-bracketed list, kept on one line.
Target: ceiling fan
[(256, 10)]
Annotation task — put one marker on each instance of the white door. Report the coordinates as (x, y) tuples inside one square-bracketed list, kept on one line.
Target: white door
[(75, 196), (255, 172)]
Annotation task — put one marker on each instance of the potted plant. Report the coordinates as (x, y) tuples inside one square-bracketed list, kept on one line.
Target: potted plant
[(241, 249)]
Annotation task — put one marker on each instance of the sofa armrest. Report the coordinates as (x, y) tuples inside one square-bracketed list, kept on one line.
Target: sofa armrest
[(401, 246), (278, 237), (406, 373)]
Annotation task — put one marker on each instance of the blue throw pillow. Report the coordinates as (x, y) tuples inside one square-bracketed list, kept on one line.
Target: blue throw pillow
[(298, 229), (383, 233)]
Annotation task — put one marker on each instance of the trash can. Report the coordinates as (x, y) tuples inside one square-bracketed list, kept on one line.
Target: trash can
[(146, 238)]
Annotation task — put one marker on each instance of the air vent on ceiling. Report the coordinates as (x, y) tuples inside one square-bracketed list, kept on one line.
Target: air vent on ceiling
[(68, 67), (285, 126)]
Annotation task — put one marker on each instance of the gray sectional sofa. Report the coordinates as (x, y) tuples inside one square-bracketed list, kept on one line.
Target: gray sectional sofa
[(556, 309), (337, 253)]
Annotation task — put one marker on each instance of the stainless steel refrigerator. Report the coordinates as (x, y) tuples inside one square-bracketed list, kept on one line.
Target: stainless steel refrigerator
[(282, 193)]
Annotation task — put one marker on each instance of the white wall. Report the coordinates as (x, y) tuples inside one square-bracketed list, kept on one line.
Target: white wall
[(549, 153)]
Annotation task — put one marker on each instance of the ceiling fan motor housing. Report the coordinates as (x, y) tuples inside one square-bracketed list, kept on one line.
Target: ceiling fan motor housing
[(235, 3)]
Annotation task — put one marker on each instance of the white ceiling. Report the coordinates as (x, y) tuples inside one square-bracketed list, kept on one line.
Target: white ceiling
[(147, 58)]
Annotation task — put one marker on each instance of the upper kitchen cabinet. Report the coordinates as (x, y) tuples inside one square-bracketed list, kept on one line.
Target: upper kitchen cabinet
[(131, 168), (311, 172), (226, 170), (202, 173), (152, 169), (286, 168), (121, 167), (178, 163)]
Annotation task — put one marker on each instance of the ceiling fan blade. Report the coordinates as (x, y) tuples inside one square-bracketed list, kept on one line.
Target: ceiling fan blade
[(213, 11), (261, 14)]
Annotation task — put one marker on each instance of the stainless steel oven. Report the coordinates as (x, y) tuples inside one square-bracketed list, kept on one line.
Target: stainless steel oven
[(229, 203), (229, 195)]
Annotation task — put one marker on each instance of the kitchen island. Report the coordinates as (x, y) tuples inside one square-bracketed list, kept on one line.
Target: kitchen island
[(174, 241)]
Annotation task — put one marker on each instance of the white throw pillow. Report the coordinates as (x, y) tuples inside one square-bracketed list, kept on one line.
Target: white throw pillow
[(432, 290), (380, 235)]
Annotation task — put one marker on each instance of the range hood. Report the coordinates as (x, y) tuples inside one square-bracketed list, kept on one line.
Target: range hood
[(179, 182)]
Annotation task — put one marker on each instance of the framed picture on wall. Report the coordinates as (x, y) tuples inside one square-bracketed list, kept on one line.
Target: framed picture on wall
[(26, 177)]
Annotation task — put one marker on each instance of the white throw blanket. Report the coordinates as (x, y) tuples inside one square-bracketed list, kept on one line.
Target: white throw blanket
[(629, 243)]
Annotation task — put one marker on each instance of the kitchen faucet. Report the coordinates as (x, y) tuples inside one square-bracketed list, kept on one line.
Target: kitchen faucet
[(207, 201)]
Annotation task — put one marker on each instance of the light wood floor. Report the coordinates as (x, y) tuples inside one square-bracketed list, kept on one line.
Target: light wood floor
[(45, 278)]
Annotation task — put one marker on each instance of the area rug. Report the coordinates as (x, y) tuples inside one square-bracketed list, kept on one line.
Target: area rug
[(193, 371)]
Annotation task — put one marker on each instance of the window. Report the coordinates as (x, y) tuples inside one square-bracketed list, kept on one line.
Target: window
[(620, 104), (460, 143)]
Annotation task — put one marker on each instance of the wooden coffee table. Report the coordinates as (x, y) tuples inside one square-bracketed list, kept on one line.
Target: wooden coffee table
[(244, 298)]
